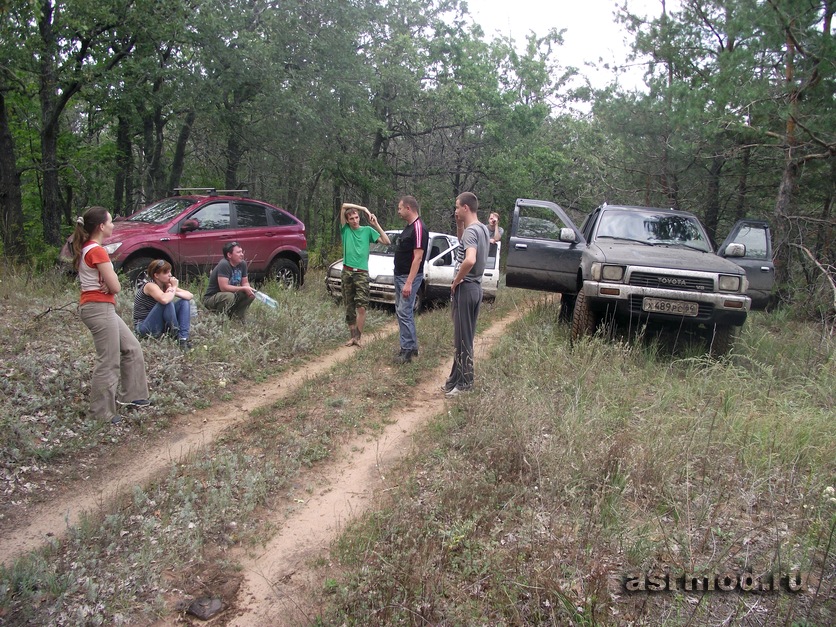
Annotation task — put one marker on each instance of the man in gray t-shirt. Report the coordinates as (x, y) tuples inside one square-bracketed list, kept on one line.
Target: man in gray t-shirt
[(229, 288), (466, 291)]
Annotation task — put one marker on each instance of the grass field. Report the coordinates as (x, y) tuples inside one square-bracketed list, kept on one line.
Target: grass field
[(568, 476)]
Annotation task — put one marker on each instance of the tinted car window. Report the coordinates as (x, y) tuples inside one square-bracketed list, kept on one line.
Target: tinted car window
[(280, 218), (754, 238), (163, 211), (539, 223), (491, 261), (653, 228), (251, 215), (213, 217)]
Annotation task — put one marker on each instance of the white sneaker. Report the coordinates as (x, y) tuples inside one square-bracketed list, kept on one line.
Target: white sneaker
[(456, 391)]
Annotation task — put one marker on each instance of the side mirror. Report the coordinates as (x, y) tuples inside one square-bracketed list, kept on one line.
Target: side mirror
[(189, 226), (735, 250), (567, 235)]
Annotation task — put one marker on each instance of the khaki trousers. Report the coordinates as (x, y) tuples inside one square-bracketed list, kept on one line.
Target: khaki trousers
[(119, 360)]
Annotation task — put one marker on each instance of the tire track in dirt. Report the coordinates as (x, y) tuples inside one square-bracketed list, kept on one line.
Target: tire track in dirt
[(278, 583), (50, 520)]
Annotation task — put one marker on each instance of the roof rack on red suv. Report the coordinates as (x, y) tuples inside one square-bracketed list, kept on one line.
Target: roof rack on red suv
[(211, 191)]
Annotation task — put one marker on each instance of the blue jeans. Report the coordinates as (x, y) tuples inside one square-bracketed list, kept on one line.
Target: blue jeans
[(404, 311), (175, 316)]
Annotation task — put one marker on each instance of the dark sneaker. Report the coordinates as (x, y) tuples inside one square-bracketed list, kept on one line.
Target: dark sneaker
[(140, 402), (185, 345), (116, 419), (405, 356)]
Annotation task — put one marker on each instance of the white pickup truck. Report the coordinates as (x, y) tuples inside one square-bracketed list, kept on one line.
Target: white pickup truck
[(439, 269)]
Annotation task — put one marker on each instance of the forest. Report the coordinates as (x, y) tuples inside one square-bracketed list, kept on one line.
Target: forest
[(311, 103)]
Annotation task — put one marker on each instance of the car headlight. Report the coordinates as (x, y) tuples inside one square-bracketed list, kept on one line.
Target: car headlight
[(729, 283), (112, 248), (612, 273), (385, 280), (333, 273), (603, 272)]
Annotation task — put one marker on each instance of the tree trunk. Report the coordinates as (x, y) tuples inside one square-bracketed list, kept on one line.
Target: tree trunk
[(180, 152), (51, 211), (233, 160), (712, 207), (11, 204), (124, 161), (743, 185), (783, 203), (782, 224)]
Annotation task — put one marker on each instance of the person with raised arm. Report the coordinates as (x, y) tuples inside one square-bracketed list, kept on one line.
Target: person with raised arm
[(355, 275)]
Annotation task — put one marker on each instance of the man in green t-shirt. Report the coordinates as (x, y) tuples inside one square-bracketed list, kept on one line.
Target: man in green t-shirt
[(355, 274)]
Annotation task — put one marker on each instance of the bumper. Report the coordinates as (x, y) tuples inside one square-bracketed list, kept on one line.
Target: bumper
[(713, 307)]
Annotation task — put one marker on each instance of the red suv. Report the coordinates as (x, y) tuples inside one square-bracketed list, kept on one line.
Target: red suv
[(189, 231)]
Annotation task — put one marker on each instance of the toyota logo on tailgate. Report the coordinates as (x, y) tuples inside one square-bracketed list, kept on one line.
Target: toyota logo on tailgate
[(672, 280)]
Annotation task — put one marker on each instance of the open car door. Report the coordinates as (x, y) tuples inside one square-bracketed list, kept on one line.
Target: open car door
[(757, 259), (544, 249)]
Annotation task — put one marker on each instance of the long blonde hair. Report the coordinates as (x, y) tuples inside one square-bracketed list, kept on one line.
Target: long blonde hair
[(85, 226)]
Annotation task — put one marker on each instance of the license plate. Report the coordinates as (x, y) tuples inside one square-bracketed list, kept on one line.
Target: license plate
[(674, 307)]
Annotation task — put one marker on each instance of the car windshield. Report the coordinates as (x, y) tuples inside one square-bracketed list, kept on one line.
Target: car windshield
[(379, 248), (653, 227), (162, 211)]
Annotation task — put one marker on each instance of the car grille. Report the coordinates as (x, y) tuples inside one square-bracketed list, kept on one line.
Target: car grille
[(694, 284)]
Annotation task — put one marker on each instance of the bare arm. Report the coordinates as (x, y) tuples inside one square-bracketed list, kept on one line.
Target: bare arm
[(417, 256), (467, 264), (111, 281), (373, 221), (162, 296), (493, 225), (348, 205), (224, 286)]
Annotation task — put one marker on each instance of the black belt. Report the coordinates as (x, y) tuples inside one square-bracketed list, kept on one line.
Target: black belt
[(350, 269)]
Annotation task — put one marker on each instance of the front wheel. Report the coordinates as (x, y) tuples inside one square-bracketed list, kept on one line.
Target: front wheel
[(567, 305), (418, 306), (136, 270), (584, 320), (720, 340), (285, 272)]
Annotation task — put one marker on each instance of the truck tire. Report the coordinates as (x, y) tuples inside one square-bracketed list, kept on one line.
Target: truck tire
[(136, 270), (720, 340), (567, 306), (418, 306), (584, 320), (285, 272)]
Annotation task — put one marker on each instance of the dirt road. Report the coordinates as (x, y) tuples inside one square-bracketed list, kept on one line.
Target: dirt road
[(276, 584)]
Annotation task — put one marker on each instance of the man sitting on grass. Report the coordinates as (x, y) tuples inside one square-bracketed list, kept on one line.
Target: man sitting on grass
[(229, 288)]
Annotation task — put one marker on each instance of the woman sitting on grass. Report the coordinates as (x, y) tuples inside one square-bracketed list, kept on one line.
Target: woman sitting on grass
[(119, 353), (161, 306)]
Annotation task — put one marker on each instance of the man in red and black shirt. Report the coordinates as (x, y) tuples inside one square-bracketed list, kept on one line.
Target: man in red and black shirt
[(409, 274)]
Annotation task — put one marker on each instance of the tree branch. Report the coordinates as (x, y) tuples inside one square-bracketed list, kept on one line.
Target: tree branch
[(824, 271)]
